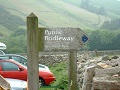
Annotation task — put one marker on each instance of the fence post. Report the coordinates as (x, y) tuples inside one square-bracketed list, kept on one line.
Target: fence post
[(88, 78), (32, 52)]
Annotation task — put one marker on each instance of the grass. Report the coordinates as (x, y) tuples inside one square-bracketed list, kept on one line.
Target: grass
[(61, 73), (51, 88), (59, 13), (53, 13), (48, 89)]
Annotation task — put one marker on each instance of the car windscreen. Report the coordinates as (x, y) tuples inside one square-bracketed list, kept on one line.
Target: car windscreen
[(20, 59)]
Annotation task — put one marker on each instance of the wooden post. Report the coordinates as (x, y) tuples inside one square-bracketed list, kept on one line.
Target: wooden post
[(4, 85), (96, 52), (88, 78), (73, 70), (32, 52)]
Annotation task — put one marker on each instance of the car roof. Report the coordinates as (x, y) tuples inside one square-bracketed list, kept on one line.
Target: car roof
[(9, 60), (7, 56), (14, 55), (10, 55)]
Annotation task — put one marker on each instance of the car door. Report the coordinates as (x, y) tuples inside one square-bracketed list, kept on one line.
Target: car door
[(12, 70)]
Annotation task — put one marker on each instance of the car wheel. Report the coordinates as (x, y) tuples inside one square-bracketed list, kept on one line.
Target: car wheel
[(41, 82)]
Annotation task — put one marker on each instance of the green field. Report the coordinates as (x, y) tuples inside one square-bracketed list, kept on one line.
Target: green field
[(54, 13)]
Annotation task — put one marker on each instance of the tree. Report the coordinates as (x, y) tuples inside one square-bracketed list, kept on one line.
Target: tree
[(95, 40), (85, 4), (105, 25), (101, 11), (15, 43), (88, 6), (111, 25), (104, 40)]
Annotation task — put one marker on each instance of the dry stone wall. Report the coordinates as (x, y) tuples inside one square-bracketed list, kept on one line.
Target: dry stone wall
[(107, 72)]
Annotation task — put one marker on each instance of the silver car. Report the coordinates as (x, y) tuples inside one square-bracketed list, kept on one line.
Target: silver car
[(17, 84)]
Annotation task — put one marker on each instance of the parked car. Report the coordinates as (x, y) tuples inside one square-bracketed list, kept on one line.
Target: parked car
[(12, 69), (17, 84), (1, 52), (20, 59)]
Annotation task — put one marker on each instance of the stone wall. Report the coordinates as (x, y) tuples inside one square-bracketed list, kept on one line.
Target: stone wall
[(52, 58), (107, 72)]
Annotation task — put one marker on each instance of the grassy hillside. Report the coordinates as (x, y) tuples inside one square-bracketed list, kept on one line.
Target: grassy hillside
[(111, 6), (62, 13), (54, 13), (4, 31)]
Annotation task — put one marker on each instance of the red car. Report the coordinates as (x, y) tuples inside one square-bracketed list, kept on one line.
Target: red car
[(15, 70)]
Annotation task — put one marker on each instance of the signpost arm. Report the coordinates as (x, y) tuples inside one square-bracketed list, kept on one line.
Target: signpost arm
[(32, 52), (73, 70)]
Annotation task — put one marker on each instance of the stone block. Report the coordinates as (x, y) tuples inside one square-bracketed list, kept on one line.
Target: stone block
[(106, 83)]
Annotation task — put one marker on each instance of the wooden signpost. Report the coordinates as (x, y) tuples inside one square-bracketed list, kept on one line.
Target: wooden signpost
[(52, 39), (32, 52), (60, 39)]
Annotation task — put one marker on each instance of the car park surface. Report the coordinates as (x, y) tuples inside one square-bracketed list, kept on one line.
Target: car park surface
[(12, 69)]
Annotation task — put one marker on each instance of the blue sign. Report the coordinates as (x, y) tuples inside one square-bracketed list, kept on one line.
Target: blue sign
[(84, 38)]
